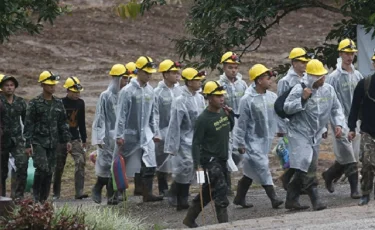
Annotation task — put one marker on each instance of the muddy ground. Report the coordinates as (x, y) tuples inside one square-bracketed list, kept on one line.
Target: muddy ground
[(92, 38)]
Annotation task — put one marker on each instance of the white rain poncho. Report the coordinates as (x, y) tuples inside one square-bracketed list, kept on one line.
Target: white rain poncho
[(185, 111), (135, 124), (235, 91), (164, 96), (255, 131), (306, 127), (288, 81), (103, 128), (344, 84)]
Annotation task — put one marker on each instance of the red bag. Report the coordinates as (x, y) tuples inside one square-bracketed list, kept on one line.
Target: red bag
[(118, 169)]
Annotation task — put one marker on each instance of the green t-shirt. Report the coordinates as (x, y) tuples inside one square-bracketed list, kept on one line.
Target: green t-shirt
[(211, 136)]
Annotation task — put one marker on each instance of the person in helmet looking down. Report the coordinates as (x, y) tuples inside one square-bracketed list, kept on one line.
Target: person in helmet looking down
[(313, 107), (231, 79), (344, 80), (210, 151), (165, 93), (13, 142), (75, 111), (299, 58), (254, 133), (131, 72), (135, 128), (103, 135), (178, 141), (45, 127)]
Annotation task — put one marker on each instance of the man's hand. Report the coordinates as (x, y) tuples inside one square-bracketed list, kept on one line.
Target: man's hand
[(69, 146), (29, 151), (325, 135), (306, 93), (241, 150), (338, 131), (157, 139), (351, 135), (120, 141), (84, 145), (227, 109), (280, 134)]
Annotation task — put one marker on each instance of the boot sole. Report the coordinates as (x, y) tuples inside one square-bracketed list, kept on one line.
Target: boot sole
[(243, 206)]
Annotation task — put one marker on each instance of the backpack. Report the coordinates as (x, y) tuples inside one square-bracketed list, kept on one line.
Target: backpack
[(280, 101), (367, 87)]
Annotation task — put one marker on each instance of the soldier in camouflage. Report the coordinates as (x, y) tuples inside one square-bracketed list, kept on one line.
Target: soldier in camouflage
[(13, 142), (45, 126)]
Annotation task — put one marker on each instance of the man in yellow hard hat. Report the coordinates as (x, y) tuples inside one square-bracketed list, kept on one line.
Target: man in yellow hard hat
[(231, 79), (135, 127), (165, 93), (45, 127), (363, 108), (210, 152), (75, 111), (13, 142), (344, 80), (131, 72), (255, 111), (184, 112), (103, 129), (299, 58), (313, 107)]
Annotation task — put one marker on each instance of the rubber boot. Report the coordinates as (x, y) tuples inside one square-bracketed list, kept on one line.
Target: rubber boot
[(13, 184), (45, 188), (182, 196), (353, 181), (147, 190), (270, 191), (331, 174), (111, 194), (229, 184), (222, 214), (192, 215), (292, 196), (36, 187), (57, 184), (79, 182), (364, 200), (162, 183), (4, 188), (137, 184), (172, 197), (96, 192), (243, 186), (286, 177), (315, 200), (20, 189)]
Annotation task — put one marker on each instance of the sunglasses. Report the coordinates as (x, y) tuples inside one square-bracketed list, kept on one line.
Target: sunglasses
[(76, 85), (176, 65), (128, 72), (200, 74), (52, 77), (306, 55), (233, 57), (350, 46), (218, 88), (149, 64)]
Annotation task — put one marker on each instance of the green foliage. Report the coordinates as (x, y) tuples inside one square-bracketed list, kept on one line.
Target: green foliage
[(27, 15)]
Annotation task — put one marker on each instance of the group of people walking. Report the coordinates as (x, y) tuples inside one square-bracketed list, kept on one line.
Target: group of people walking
[(210, 126)]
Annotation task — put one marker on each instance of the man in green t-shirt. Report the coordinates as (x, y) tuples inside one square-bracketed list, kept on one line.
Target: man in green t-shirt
[(210, 151)]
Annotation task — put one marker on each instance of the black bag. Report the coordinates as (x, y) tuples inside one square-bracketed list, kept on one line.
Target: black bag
[(280, 101)]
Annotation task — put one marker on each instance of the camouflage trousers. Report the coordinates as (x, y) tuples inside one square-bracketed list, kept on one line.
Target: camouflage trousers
[(79, 158), (368, 163), (217, 172)]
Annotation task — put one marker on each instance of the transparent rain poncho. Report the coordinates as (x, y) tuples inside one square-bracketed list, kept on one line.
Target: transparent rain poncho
[(185, 110), (255, 132), (103, 128), (310, 120), (135, 124)]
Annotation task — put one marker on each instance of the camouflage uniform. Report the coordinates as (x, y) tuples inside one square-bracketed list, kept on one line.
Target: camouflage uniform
[(13, 141), (368, 163), (45, 126)]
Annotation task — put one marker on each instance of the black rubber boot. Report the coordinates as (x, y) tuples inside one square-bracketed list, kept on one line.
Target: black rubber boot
[(192, 215), (331, 174), (45, 188), (229, 184), (4, 188), (286, 177), (243, 186), (353, 181), (292, 196), (37, 187), (315, 200), (111, 194), (182, 196), (270, 191), (364, 200), (57, 184), (147, 190), (162, 183), (172, 197), (137, 184), (222, 214), (79, 183), (96, 192)]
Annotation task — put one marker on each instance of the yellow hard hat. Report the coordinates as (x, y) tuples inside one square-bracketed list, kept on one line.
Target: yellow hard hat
[(117, 70), (146, 64), (48, 78), (299, 54), (169, 65), (131, 70), (230, 57), (347, 45), (257, 70), (213, 88), (315, 67), (192, 74), (73, 84), (1, 78)]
